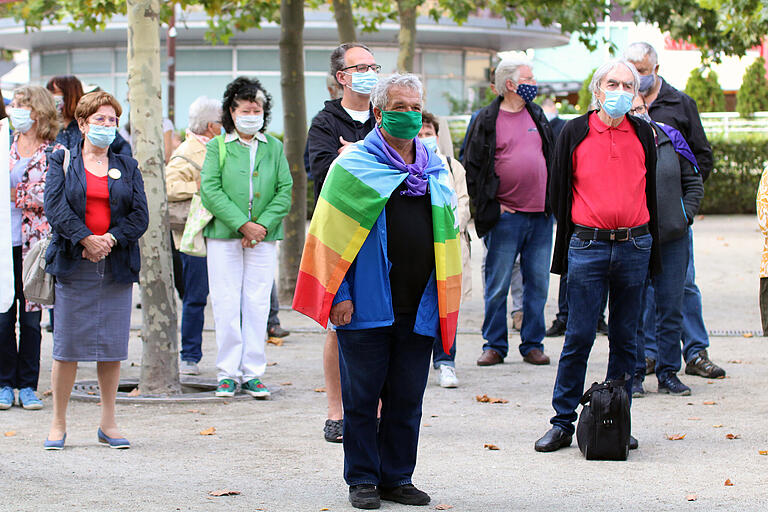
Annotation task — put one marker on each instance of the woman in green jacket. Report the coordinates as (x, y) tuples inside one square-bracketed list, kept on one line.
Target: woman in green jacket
[(246, 185)]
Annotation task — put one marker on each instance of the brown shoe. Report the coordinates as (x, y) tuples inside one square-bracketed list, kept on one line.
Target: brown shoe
[(489, 358), (536, 357)]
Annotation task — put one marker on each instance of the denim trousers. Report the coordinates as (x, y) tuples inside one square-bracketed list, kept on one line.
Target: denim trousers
[(662, 320), (594, 267), (195, 273), (562, 301), (19, 362), (439, 357), (530, 236), (694, 335), (391, 363), (274, 307)]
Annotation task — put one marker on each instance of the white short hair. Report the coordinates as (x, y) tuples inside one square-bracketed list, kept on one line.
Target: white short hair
[(636, 52), (509, 69), (380, 92), (202, 111), (606, 68)]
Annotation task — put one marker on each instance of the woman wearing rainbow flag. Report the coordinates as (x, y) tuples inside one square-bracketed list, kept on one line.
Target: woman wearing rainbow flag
[(382, 260)]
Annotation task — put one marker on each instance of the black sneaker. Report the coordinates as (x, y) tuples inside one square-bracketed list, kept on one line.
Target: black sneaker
[(672, 385), (637, 387), (650, 365), (703, 367), (602, 327), (557, 329), (364, 496), (406, 494)]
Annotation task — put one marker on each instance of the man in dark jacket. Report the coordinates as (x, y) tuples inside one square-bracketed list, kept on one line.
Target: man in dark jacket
[(603, 193), (341, 122), (676, 109), (508, 157)]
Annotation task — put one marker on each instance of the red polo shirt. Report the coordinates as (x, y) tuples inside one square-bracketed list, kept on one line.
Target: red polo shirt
[(609, 177)]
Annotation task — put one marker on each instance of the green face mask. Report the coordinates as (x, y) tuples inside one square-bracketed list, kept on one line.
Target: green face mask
[(403, 125)]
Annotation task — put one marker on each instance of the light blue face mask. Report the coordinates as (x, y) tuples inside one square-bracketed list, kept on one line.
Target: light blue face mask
[(363, 83), (20, 119), (617, 103), (430, 143), (101, 136)]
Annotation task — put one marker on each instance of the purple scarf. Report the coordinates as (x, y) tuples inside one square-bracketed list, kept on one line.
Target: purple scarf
[(416, 181)]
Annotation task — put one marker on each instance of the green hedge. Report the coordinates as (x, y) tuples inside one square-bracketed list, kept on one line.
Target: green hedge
[(732, 186)]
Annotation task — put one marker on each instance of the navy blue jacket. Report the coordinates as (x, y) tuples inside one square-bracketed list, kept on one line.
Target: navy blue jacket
[(65, 211)]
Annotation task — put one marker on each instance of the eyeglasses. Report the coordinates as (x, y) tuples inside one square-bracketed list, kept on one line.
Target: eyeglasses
[(104, 119), (640, 109), (362, 68)]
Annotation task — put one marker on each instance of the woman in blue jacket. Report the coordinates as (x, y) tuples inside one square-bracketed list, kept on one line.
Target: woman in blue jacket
[(98, 211)]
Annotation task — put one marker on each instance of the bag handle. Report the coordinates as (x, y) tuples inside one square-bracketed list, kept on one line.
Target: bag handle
[(193, 164), (222, 150), (608, 384)]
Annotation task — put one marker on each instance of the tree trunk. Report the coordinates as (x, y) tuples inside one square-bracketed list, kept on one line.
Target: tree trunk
[(294, 139), (407, 36), (345, 20), (159, 364)]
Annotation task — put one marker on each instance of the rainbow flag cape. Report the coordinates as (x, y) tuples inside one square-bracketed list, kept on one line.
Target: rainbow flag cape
[(354, 194)]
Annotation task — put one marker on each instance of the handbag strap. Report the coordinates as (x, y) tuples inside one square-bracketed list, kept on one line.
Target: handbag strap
[(189, 160)]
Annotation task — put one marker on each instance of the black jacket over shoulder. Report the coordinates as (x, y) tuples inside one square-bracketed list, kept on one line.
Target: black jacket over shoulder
[(479, 161), (323, 138), (65, 211), (678, 110), (561, 186)]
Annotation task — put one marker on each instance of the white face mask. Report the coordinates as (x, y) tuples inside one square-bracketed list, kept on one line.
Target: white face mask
[(249, 125), (20, 119)]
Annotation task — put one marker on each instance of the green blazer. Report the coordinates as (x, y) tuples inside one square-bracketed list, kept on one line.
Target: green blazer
[(224, 188)]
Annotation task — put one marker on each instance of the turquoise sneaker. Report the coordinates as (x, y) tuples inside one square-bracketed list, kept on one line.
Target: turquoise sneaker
[(6, 397), (226, 388), (28, 399), (256, 388)]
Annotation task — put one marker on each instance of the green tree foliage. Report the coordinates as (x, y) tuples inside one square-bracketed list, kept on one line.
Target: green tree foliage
[(706, 91), (753, 93), (585, 95)]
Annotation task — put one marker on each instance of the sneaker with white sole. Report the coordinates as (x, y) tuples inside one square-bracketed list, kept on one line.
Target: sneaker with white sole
[(255, 388), (448, 377), (189, 368), (226, 388), (6, 397), (28, 399)]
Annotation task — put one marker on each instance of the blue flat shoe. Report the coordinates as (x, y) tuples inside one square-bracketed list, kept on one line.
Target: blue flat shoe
[(55, 445), (119, 443)]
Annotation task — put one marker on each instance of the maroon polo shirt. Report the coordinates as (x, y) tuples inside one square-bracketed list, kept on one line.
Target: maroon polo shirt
[(609, 177)]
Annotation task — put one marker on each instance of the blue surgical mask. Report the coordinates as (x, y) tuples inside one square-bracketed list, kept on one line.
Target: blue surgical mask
[(20, 119), (363, 83), (249, 125), (430, 143), (617, 103), (101, 136), (646, 82), (527, 92)]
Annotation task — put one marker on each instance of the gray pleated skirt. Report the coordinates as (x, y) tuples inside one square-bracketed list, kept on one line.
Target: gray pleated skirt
[(93, 315)]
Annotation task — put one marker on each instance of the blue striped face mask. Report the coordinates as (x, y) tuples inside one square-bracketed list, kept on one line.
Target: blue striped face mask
[(363, 83)]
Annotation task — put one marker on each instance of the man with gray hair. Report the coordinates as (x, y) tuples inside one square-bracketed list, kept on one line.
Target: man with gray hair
[(379, 262), (182, 181), (603, 193), (508, 158), (676, 109)]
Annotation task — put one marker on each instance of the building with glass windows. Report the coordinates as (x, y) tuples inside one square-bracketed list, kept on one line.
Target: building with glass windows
[(453, 60)]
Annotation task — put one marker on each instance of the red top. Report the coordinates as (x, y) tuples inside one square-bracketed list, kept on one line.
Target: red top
[(97, 214), (609, 178)]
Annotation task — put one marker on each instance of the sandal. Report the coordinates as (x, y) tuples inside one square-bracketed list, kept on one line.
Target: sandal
[(333, 431)]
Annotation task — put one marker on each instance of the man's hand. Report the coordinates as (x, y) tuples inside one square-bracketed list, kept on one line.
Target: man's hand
[(341, 313), (252, 232), (505, 209), (344, 144)]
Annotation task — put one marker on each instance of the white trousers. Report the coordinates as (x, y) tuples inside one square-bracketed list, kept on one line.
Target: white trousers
[(240, 281)]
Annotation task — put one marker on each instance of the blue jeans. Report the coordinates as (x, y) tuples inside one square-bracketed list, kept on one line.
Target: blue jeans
[(439, 357), (663, 311), (593, 267), (19, 363), (274, 308), (530, 236), (562, 301), (391, 363), (694, 335), (195, 272)]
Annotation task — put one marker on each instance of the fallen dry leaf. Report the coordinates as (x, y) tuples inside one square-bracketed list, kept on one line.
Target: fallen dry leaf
[(134, 392), (748, 334), (286, 383), (427, 425), (10, 433), (676, 437), (694, 419), (736, 361), (490, 446), (733, 436), (273, 363), (719, 425), (763, 452), (443, 506), (48, 392), (278, 342), (319, 390), (709, 402), (324, 508), (728, 483), (208, 432), (691, 497), (224, 492), (490, 400), (435, 416)]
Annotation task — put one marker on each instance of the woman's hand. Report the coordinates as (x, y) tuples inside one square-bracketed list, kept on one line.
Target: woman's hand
[(253, 233), (97, 246), (13, 196)]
